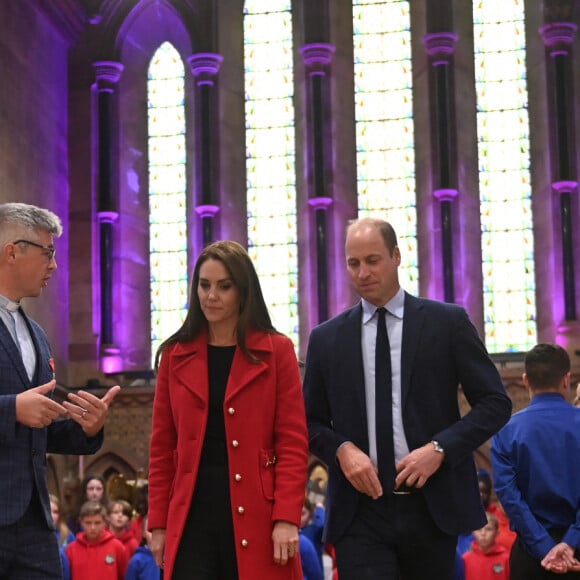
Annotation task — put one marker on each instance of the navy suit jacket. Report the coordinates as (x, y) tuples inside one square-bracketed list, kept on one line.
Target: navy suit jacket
[(23, 449), (440, 350)]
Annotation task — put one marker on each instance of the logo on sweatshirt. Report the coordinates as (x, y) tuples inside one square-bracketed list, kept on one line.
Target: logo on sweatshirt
[(109, 559)]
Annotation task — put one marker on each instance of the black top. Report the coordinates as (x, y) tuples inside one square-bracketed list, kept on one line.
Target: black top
[(219, 364)]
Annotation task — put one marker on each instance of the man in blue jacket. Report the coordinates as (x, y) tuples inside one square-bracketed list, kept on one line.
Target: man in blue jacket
[(536, 469), (31, 422)]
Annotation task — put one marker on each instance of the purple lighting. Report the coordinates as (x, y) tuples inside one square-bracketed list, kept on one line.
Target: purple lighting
[(108, 74), (208, 210), (111, 360), (317, 55), (558, 36), (440, 45), (446, 194), (205, 66)]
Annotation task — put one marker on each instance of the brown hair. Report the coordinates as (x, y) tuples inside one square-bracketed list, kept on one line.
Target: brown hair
[(253, 310), (92, 508), (125, 506), (546, 365)]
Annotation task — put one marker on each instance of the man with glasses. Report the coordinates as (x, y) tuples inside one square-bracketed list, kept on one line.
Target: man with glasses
[(32, 423)]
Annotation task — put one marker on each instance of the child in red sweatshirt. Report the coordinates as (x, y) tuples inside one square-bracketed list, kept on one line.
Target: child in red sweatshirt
[(487, 559), (96, 554), (119, 514)]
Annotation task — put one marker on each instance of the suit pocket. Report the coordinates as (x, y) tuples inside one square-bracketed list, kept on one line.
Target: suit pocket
[(267, 474)]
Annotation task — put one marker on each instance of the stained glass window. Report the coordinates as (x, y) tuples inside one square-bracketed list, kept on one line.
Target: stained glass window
[(503, 135), (167, 197), (270, 157), (384, 123)]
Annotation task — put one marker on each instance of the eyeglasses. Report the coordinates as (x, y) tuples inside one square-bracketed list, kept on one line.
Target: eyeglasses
[(50, 251)]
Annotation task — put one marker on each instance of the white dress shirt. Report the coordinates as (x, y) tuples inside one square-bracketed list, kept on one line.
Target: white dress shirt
[(394, 318), (14, 321)]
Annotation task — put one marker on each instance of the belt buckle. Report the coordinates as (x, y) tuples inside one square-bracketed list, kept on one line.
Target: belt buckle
[(405, 490)]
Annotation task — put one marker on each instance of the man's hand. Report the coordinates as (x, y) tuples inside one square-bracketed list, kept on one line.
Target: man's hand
[(88, 410), (286, 541), (35, 409), (360, 471), (415, 469), (560, 559)]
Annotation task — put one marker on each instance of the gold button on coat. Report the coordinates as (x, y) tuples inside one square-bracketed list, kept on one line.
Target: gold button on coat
[(235, 443)]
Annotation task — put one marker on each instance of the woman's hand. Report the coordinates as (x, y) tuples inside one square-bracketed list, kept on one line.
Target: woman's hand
[(158, 545), (286, 542)]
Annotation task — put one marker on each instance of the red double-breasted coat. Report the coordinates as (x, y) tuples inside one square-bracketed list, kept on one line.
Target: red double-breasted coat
[(266, 439)]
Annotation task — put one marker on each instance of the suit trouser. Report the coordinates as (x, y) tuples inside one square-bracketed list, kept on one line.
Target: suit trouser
[(28, 548), (395, 538), (525, 567)]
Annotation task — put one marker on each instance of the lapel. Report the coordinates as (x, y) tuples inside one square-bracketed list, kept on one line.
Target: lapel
[(413, 321), (14, 353), (245, 371), (350, 359), (190, 364)]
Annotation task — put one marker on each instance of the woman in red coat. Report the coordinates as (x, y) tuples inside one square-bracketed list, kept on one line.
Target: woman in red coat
[(229, 446)]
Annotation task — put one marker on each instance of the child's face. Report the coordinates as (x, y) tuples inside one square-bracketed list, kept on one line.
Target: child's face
[(117, 519), (94, 526), (55, 512), (486, 536)]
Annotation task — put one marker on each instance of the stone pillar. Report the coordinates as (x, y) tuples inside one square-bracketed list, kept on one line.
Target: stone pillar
[(205, 67), (317, 59), (440, 47), (558, 38), (107, 75)]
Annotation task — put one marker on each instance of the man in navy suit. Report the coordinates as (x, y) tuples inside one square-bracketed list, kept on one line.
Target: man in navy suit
[(31, 422), (400, 521)]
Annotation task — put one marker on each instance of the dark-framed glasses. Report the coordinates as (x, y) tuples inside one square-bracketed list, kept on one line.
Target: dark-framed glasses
[(49, 251)]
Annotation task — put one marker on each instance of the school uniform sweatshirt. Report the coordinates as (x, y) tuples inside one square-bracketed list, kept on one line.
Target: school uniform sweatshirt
[(491, 565), (105, 559)]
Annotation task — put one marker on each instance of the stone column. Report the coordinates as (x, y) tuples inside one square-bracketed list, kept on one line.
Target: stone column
[(440, 47), (205, 67), (107, 75), (317, 59), (558, 38)]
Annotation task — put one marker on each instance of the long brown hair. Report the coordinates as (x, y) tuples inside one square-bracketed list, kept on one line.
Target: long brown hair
[(253, 310)]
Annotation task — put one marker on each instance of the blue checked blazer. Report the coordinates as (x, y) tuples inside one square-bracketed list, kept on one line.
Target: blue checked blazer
[(23, 449)]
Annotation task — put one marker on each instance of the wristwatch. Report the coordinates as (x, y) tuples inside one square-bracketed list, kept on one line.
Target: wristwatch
[(438, 447)]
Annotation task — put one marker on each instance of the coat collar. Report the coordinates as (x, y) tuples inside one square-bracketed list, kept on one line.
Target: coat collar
[(190, 360)]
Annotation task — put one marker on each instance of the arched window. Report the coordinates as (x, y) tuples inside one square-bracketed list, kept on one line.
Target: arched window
[(270, 157), (167, 193), (507, 238), (384, 123)]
